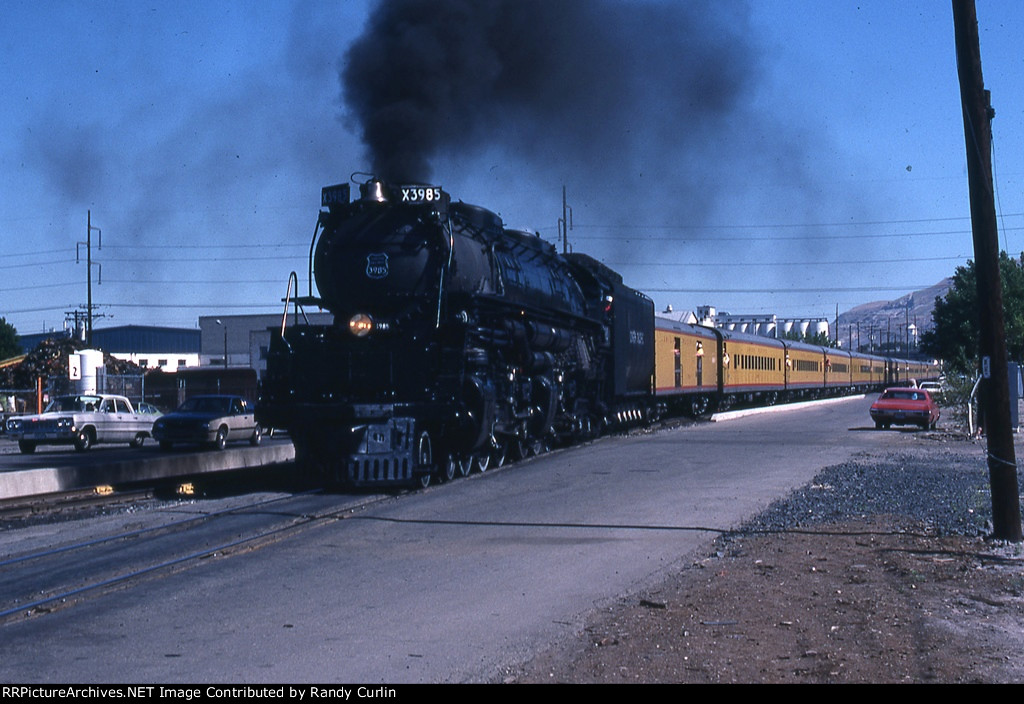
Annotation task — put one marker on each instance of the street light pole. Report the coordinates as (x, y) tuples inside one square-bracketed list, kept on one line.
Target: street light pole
[(225, 341)]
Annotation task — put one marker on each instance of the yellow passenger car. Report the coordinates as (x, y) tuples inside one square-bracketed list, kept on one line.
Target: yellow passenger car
[(686, 365)]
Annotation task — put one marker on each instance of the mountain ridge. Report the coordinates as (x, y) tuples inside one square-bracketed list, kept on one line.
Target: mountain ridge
[(885, 323)]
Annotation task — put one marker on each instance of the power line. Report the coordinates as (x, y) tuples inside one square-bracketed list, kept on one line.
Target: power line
[(788, 290), (767, 238), (179, 306), (39, 252), (150, 284), (780, 226), (29, 265), (959, 257)]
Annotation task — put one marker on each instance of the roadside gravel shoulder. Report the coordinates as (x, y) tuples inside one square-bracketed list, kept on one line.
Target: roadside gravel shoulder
[(877, 571)]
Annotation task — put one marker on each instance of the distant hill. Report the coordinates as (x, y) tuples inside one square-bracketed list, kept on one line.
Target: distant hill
[(887, 320)]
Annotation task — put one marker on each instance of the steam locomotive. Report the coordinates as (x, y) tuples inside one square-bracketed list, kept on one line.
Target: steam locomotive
[(456, 343)]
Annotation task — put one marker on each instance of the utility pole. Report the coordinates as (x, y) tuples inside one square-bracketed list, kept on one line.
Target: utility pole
[(88, 269), (88, 264), (906, 327), (565, 224), (978, 114)]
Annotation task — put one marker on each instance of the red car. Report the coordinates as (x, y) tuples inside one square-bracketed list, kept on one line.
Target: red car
[(905, 407)]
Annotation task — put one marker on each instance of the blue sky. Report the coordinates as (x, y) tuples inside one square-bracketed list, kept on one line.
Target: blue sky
[(199, 134)]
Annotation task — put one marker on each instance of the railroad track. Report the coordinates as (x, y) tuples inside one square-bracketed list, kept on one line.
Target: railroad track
[(70, 503), (55, 574)]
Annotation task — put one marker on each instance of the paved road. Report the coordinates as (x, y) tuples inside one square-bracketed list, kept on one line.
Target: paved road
[(452, 584)]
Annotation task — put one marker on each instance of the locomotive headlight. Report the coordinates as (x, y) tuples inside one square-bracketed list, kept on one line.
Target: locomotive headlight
[(360, 324)]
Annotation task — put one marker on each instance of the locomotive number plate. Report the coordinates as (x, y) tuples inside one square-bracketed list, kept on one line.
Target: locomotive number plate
[(421, 194)]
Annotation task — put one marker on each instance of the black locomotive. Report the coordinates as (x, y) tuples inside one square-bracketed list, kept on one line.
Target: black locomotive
[(456, 342)]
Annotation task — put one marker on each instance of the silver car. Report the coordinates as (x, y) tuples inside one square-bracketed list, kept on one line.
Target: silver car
[(208, 420)]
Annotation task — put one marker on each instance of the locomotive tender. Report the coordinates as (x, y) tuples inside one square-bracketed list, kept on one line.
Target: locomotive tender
[(455, 342)]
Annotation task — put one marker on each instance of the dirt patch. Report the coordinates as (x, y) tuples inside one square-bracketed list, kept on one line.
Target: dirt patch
[(867, 600)]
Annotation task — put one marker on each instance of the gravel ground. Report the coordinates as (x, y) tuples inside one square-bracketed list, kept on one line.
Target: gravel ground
[(877, 571), (938, 487)]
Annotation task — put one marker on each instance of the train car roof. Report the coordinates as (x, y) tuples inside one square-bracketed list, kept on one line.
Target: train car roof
[(688, 328), (733, 336), (865, 355), (820, 349)]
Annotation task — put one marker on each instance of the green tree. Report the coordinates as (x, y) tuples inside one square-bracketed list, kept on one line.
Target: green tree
[(9, 346), (954, 339)]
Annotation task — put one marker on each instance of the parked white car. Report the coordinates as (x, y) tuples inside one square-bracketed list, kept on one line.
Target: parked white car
[(82, 420)]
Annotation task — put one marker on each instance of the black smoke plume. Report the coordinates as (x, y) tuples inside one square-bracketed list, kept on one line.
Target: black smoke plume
[(602, 87)]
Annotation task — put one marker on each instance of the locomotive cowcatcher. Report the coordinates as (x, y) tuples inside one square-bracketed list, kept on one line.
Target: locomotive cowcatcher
[(456, 343)]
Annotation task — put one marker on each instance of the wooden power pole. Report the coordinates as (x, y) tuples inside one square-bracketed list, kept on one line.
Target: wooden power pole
[(978, 113)]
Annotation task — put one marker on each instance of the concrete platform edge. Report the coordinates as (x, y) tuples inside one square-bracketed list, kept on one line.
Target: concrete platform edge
[(55, 479)]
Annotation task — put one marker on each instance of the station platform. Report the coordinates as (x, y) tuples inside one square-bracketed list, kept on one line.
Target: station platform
[(147, 466)]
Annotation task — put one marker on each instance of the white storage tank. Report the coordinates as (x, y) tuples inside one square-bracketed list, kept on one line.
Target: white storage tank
[(89, 361)]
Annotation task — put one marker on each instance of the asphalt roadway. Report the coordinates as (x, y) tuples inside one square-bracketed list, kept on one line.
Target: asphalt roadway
[(452, 584)]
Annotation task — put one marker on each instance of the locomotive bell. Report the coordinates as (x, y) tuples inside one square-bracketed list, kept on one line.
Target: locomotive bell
[(373, 190)]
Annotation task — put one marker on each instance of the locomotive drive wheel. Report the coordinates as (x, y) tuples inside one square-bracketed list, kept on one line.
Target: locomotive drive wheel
[(499, 454), (522, 448), (449, 469), (466, 465), (483, 461), (424, 458)]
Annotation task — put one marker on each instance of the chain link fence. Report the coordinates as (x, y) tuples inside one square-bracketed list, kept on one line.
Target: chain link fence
[(22, 401)]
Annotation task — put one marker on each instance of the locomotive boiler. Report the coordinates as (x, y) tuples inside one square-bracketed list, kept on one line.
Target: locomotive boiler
[(456, 343)]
